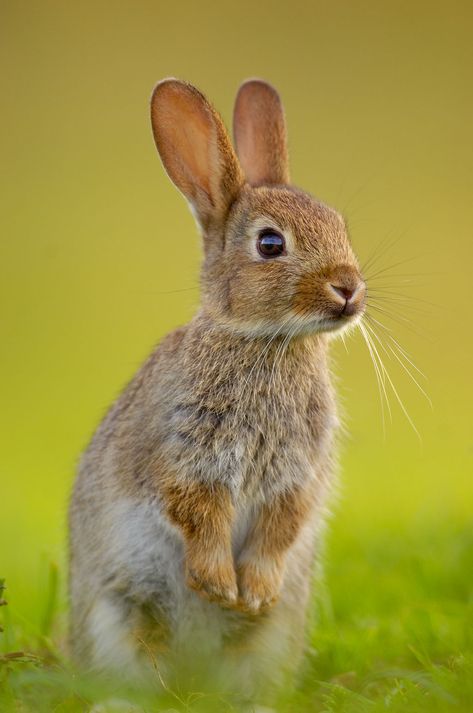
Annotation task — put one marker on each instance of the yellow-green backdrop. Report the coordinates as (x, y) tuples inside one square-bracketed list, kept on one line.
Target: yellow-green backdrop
[(99, 255)]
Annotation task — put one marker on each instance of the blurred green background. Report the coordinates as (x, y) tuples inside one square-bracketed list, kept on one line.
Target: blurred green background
[(100, 256)]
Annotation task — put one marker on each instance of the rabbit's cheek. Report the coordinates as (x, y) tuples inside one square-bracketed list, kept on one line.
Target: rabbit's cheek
[(261, 291), (309, 298)]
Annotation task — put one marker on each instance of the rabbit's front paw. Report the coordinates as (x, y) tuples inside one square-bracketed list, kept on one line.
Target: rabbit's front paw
[(259, 584), (216, 583)]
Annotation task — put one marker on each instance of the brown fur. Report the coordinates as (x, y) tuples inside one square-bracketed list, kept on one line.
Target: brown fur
[(193, 142), (204, 514), (149, 634), (259, 129), (275, 529), (210, 474), (279, 522)]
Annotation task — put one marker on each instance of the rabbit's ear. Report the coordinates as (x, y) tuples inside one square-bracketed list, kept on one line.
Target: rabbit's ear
[(259, 129), (195, 149)]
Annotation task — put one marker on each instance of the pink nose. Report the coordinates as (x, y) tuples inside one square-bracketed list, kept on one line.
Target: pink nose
[(348, 296), (344, 292)]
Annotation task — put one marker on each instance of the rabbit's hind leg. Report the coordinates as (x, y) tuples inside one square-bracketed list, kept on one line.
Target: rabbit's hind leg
[(110, 632), (126, 640)]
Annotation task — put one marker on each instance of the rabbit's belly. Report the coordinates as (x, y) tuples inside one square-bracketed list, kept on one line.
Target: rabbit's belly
[(148, 552), (244, 519), (145, 550)]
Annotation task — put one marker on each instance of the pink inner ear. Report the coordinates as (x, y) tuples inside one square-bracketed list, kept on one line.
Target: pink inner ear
[(260, 134), (194, 147), (186, 128)]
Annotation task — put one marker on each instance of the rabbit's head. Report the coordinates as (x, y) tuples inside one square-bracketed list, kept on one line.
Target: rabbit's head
[(276, 260)]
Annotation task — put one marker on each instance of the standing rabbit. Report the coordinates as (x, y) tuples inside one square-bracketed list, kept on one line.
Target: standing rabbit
[(198, 507)]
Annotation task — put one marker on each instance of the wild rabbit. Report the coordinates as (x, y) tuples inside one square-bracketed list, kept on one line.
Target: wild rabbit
[(197, 511)]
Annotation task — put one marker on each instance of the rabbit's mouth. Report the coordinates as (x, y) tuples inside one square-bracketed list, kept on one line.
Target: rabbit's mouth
[(332, 323), (338, 313), (330, 300), (345, 321)]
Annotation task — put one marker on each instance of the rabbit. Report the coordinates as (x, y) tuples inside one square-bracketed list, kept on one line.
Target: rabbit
[(199, 506)]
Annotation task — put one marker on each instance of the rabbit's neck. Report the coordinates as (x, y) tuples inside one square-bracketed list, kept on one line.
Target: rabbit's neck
[(277, 364), (256, 402)]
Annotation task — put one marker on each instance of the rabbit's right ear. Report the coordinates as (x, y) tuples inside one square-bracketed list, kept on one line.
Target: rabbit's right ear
[(195, 149), (259, 129)]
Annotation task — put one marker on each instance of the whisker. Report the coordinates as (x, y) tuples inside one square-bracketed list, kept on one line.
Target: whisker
[(373, 332), (383, 248), (357, 192), (396, 394), (381, 365), (383, 270), (404, 284), (378, 377), (386, 301), (404, 321), (388, 331), (408, 276), (382, 291), (423, 392)]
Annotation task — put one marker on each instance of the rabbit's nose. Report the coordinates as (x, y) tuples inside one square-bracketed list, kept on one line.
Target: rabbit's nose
[(350, 296), (344, 292)]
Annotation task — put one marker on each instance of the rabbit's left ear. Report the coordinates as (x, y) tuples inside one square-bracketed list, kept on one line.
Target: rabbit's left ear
[(259, 129)]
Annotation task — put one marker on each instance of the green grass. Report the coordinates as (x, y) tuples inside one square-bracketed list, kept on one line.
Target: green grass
[(392, 631)]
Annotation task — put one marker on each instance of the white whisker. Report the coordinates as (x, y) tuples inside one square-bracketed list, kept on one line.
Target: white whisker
[(395, 392), (376, 336), (379, 379), (406, 355)]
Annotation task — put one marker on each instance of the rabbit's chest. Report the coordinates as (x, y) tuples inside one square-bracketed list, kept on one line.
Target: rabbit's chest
[(266, 442), (285, 439)]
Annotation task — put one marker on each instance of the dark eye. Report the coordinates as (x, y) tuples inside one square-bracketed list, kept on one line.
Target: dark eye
[(271, 244)]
